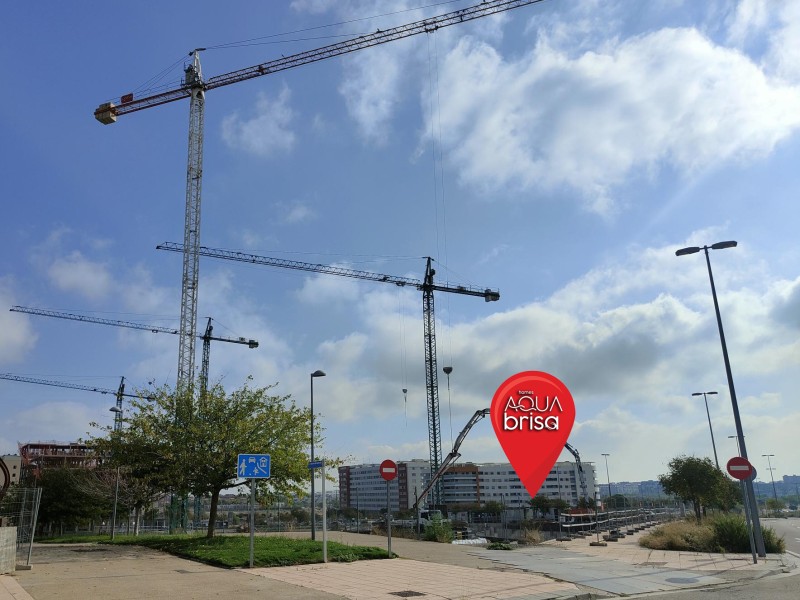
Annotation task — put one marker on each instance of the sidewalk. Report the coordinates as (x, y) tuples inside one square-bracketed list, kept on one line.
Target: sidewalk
[(576, 570)]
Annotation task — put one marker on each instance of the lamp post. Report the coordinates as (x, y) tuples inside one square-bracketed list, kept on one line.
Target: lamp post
[(117, 428), (759, 539), (774, 491), (734, 437), (608, 478), (713, 445), (316, 373)]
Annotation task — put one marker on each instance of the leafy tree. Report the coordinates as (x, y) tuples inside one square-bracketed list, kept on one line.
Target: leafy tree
[(177, 448), (696, 480), (541, 503), (492, 507), (774, 505), (71, 497)]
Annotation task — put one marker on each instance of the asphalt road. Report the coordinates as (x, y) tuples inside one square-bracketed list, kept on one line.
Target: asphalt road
[(782, 587), (789, 529)]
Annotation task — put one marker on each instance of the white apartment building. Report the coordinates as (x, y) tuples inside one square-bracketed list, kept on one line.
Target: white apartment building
[(362, 487), (498, 482)]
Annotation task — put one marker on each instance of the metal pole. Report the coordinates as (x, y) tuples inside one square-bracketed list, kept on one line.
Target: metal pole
[(774, 490), (759, 539), (388, 521), (608, 477), (252, 519), (313, 471), (114, 513), (324, 520), (713, 445)]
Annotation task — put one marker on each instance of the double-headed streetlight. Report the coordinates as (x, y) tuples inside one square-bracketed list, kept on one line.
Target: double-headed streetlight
[(316, 373), (713, 445), (774, 491), (759, 540)]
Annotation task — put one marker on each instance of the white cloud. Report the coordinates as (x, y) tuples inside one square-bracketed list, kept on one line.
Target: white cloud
[(324, 289), (18, 338), (78, 274), (268, 132), (297, 213), (668, 98)]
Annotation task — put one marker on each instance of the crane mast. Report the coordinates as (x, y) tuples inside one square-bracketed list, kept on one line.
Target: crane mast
[(191, 231), (431, 381), (427, 286), (194, 87)]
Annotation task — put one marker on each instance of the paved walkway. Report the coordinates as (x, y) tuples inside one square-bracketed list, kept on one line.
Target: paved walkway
[(552, 570)]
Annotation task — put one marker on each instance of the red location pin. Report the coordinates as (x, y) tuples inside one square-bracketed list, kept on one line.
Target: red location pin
[(532, 415)]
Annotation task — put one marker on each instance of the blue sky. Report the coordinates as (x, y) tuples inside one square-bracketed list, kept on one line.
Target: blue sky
[(560, 153)]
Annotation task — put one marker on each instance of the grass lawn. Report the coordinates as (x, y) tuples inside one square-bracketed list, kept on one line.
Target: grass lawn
[(234, 550)]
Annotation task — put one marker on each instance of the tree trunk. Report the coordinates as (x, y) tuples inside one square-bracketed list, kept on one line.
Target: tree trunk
[(212, 513), (696, 504), (137, 517)]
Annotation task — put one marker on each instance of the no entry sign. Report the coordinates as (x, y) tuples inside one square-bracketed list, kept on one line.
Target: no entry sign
[(388, 469), (740, 468)]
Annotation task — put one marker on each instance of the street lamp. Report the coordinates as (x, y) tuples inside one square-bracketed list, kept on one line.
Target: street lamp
[(774, 491), (735, 437), (117, 427), (759, 539), (713, 445), (316, 373), (608, 478)]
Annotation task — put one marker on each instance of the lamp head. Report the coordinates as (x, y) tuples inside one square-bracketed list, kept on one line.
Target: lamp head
[(318, 373), (723, 245), (689, 250)]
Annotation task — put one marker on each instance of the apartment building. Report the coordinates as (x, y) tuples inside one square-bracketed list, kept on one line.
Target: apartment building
[(362, 487)]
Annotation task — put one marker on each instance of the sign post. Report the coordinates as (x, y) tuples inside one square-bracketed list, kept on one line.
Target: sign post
[(252, 467), (313, 466), (740, 468), (388, 470)]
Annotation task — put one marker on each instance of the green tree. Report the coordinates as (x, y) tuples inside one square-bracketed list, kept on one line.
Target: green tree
[(696, 480), (541, 503), (181, 448), (71, 497)]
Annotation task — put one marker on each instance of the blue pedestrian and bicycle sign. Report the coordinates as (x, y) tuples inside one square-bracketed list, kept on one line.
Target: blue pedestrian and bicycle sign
[(253, 466)]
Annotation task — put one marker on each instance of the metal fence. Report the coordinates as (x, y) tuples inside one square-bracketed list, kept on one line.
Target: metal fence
[(20, 507)]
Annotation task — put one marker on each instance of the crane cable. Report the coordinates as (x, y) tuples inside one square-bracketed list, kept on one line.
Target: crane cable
[(438, 186)]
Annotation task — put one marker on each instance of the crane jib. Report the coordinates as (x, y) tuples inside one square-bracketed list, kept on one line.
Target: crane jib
[(108, 112)]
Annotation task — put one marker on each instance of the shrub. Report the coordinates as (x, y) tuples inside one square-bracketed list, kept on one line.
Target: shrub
[(439, 531), (723, 533), (498, 546)]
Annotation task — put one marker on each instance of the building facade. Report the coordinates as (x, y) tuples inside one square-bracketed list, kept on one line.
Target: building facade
[(36, 456), (14, 465), (362, 487), (474, 484)]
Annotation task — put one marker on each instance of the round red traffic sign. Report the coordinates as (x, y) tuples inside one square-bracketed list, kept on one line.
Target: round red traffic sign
[(740, 468), (388, 469)]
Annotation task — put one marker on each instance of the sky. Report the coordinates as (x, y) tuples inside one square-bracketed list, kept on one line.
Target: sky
[(559, 153)]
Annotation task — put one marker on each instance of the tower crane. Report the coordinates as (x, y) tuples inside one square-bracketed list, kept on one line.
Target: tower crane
[(427, 286), (120, 393), (194, 87), (206, 336)]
